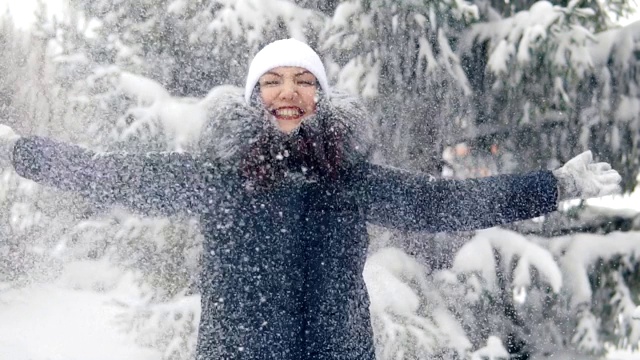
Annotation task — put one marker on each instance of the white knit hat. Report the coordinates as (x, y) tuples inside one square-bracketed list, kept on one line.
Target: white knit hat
[(286, 52)]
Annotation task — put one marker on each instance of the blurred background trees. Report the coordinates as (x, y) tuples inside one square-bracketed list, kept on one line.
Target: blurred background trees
[(455, 88)]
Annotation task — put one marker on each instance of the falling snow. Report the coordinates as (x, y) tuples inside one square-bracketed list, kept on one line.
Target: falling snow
[(454, 89)]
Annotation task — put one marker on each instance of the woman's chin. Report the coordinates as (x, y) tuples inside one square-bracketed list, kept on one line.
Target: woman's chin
[(287, 126)]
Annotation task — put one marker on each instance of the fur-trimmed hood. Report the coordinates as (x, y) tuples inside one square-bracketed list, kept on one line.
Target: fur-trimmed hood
[(339, 135)]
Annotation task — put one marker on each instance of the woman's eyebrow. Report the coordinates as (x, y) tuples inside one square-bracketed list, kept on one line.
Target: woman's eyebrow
[(295, 75)]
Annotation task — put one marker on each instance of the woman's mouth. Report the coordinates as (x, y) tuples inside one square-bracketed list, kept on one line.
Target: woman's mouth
[(288, 113)]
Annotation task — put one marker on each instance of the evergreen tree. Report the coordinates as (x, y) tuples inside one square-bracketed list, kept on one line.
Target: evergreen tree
[(27, 219), (542, 91), (605, 14), (400, 56)]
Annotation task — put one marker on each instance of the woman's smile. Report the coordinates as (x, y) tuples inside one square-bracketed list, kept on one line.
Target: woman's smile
[(288, 113)]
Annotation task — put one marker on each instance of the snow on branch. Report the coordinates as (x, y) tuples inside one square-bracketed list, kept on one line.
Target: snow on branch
[(409, 318), (477, 257), (586, 250), (180, 120), (521, 38)]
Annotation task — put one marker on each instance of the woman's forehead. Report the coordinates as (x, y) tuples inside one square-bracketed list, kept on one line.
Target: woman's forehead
[(288, 71)]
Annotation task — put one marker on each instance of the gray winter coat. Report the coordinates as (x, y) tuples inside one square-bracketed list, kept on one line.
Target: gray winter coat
[(285, 236)]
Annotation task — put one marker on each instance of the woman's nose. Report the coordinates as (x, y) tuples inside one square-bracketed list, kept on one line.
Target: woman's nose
[(289, 90)]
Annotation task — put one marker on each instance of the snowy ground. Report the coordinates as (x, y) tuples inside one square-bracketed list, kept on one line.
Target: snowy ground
[(48, 322), (66, 320)]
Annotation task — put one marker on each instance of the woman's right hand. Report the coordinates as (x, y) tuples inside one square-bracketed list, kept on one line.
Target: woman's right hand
[(8, 139)]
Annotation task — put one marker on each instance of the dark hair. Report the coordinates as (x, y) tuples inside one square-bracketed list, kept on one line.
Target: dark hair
[(314, 149)]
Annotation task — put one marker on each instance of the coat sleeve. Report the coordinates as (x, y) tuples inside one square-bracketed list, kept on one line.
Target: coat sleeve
[(154, 184), (413, 202)]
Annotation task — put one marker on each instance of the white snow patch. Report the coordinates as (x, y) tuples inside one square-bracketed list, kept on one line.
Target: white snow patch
[(47, 322), (477, 256)]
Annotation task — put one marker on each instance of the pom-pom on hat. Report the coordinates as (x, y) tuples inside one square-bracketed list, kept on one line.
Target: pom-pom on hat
[(286, 52)]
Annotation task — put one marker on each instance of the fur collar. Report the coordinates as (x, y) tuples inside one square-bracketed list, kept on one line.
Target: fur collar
[(339, 133)]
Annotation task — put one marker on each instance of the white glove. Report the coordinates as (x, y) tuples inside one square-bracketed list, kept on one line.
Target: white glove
[(8, 139), (581, 178)]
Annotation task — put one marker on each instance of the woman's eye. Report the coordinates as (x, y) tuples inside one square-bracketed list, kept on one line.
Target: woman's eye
[(307, 82), (269, 83)]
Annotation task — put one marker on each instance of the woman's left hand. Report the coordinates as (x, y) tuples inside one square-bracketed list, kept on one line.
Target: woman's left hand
[(581, 178)]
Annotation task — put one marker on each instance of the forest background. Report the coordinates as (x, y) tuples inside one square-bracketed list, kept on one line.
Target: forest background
[(455, 89)]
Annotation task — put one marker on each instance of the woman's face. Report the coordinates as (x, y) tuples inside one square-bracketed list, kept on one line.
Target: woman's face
[(289, 94)]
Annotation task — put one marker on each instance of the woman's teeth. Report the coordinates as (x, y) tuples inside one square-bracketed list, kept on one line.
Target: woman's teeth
[(288, 112)]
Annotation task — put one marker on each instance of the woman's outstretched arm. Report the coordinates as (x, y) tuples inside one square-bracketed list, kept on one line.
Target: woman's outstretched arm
[(155, 183), (413, 202)]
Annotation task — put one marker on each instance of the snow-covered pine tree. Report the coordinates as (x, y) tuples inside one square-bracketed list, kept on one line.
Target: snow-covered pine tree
[(400, 56), (224, 35), (594, 106), (542, 90), (546, 68), (28, 222), (611, 113), (527, 72), (12, 60), (606, 14), (568, 296)]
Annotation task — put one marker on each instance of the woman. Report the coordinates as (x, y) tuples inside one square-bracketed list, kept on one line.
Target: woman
[(283, 189)]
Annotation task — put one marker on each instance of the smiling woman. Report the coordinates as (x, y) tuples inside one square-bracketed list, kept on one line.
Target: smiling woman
[(289, 95), (23, 12)]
